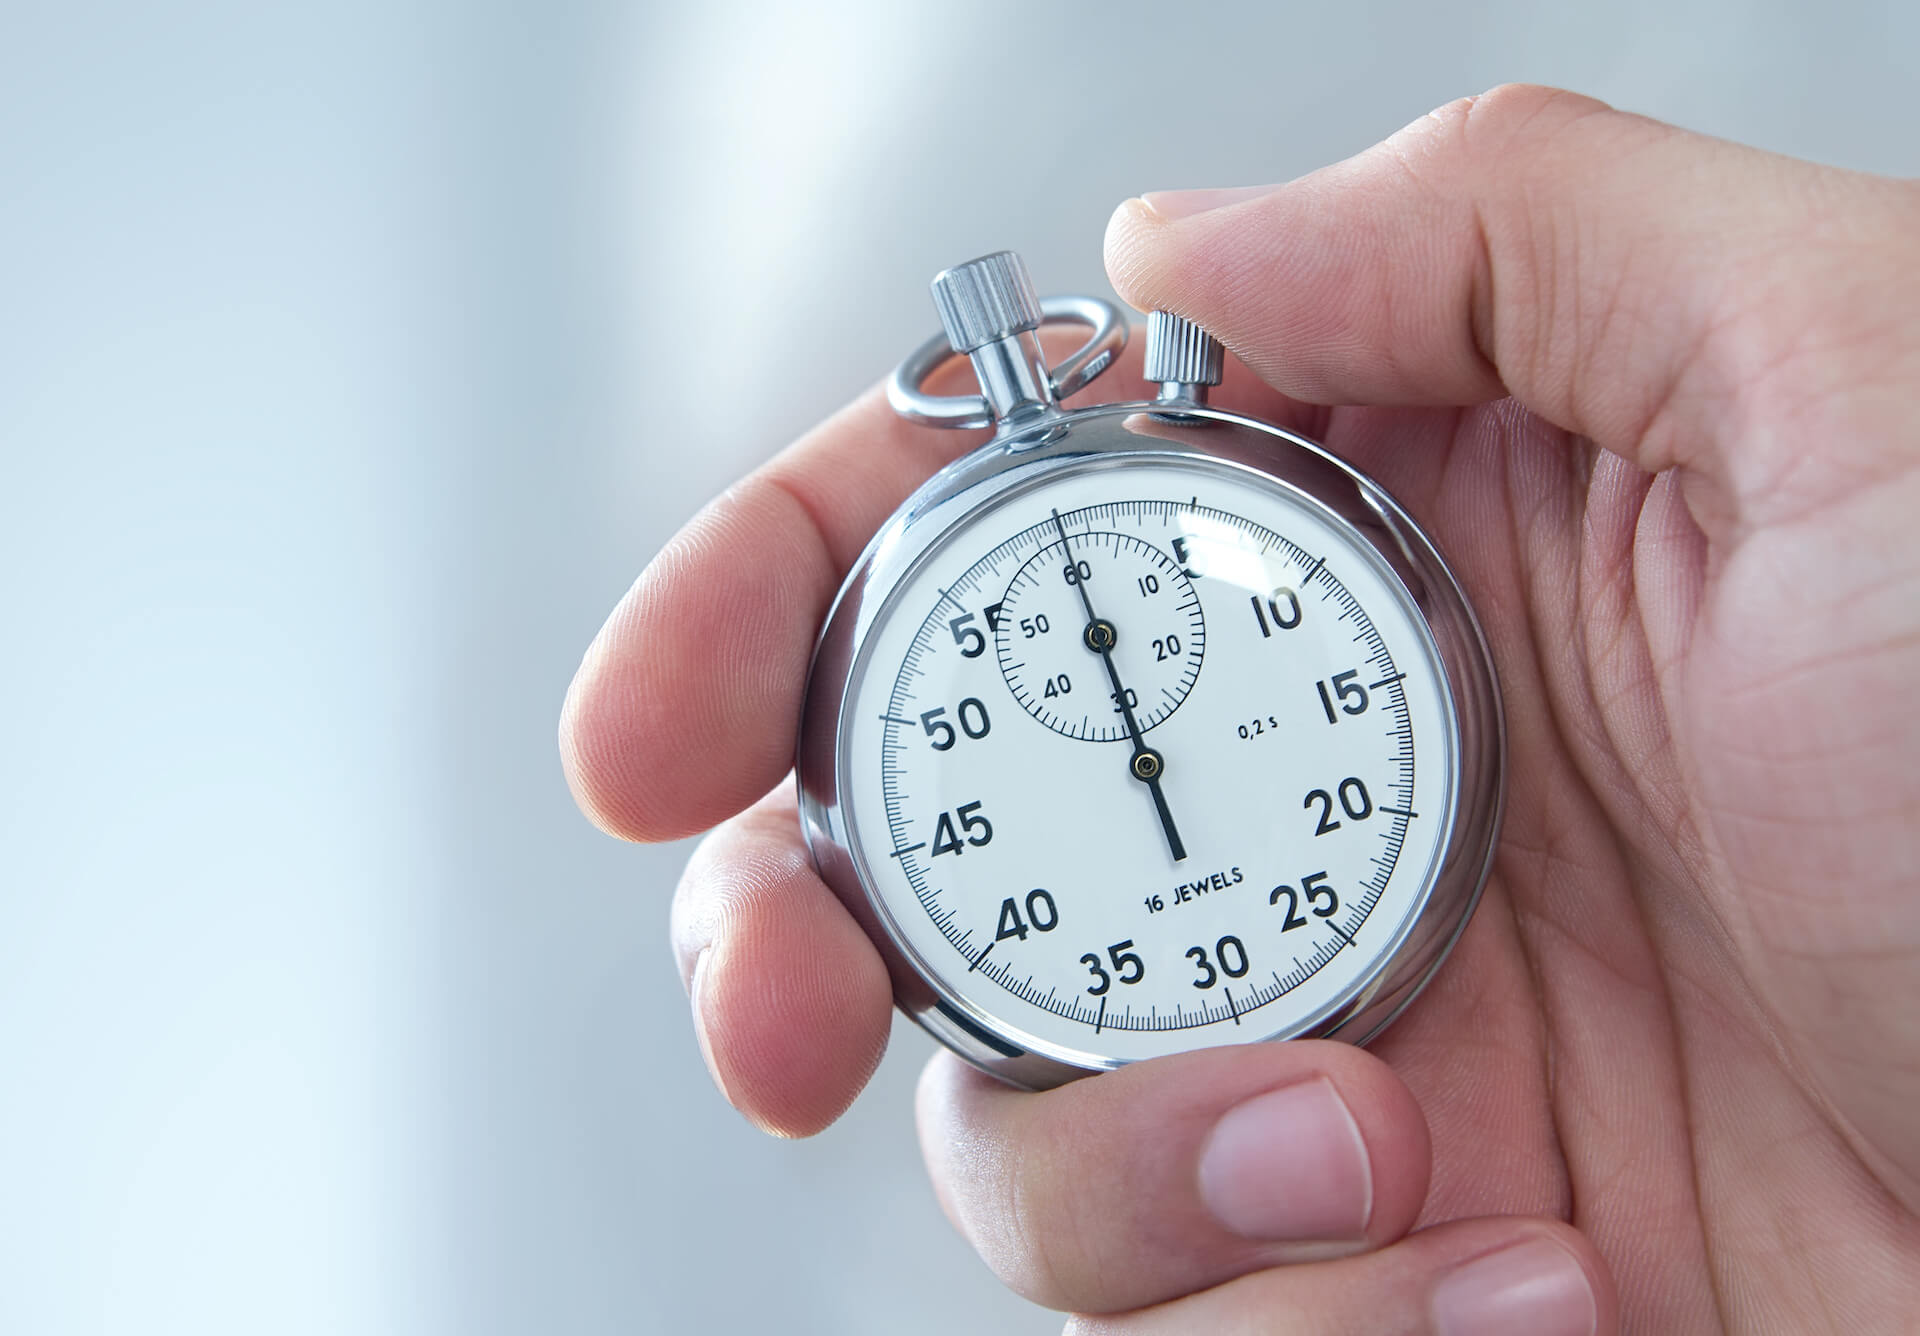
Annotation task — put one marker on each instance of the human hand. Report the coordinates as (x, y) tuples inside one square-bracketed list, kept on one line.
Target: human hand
[(1666, 1082)]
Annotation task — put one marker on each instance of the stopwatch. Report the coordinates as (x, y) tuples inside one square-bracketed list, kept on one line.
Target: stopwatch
[(1145, 726)]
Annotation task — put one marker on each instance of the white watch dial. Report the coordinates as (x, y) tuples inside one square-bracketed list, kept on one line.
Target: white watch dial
[(1150, 756)]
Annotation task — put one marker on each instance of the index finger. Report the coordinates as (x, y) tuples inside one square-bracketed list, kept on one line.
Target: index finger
[(682, 712), (1657, 291), (685, 708)]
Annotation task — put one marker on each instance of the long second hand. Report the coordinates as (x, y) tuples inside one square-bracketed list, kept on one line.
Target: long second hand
[(1146, 764)]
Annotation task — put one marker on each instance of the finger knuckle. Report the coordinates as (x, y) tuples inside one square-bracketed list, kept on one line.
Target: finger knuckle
[(1511, 110)]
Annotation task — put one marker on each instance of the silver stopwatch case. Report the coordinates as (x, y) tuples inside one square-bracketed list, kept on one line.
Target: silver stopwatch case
[(989, 314)]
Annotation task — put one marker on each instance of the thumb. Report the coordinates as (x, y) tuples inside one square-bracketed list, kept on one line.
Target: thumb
[(1624, 279)]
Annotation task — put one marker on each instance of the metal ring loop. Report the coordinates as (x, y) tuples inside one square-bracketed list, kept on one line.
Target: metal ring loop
[(1094, 356), (1109, 336)]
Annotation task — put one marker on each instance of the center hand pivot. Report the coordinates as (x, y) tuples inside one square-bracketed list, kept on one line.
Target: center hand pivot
[(1146, 764)]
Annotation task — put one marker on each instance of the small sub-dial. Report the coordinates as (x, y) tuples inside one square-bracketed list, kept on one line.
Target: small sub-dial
[(1149, 617)]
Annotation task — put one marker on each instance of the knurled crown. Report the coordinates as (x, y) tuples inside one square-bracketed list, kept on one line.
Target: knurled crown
[(1180, 351), (985, 300)]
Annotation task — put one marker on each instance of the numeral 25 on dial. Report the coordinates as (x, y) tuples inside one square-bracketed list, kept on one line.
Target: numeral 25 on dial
[(1320, 898)]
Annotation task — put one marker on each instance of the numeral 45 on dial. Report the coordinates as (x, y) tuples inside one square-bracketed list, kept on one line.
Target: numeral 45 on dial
[(946, 835)]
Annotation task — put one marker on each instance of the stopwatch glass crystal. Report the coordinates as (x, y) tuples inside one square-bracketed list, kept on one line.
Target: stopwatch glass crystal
[(1147, 754)]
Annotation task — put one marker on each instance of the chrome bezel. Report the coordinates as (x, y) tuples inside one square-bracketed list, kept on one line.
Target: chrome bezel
[(1121, 432)]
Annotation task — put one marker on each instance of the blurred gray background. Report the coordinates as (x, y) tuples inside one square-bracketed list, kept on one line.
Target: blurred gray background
[(353, 359)]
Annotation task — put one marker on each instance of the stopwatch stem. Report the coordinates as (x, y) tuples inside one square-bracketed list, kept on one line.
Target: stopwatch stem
[(1146, 764), (990, 312)]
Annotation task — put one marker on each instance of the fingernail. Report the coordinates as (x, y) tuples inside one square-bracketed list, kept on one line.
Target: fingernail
[(1536, 1288), (1185, 203), (1289, 1166)]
